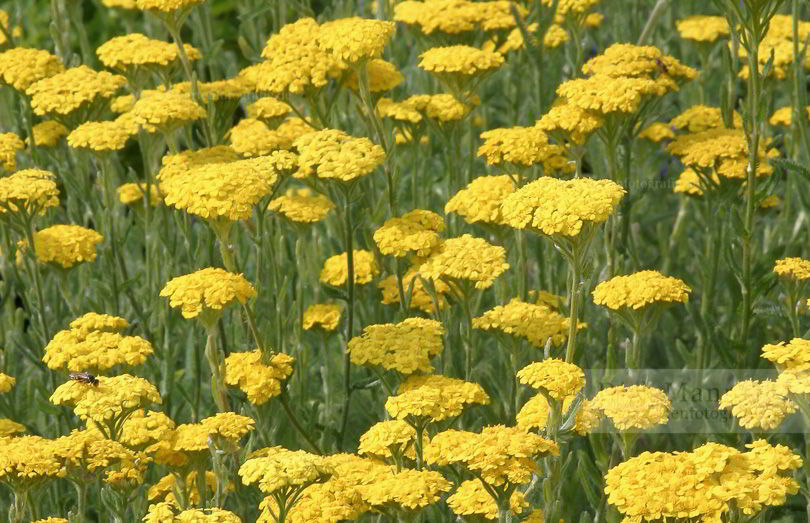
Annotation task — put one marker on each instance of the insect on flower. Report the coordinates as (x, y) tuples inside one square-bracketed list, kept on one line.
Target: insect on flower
[(661, 64), (84, 377)]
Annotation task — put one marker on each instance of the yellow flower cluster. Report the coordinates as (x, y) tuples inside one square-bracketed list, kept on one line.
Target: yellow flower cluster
[(27, 461), (705, 483), (778, 42), (784, 116), (699, 118), (433, 398), (229, 89), (793, 268), (29, 190), (722, 150), (335, 270), (534, 413), (165, 111), (408, 489), (524, 146), (10, 143), (355, 39), (49, 133), (639, 290), (632, 61), (63, 245), (536, 322), (569, 122), (457, 16), (65, 92), (174, 164), (460, 60), (420, 296), (191, 440), (21, 67), (6, 382), (555, 36), (794, 354), (111, 135), (414, 232), (267, 109), (472, 499), (111, 399), (388, 438), (169, 513), (165, 6), (382, 76), (207, 291), (406, 347), (252, 137), (259, 380), (277, 468), (94, 343), (657, 132), (701, 28), (481, 200), (323, 315), (130, 193), (302, 206), (604, 95), (556, 377), (223, 191), (138, 50), (758, 404), (561, 207), (637, 407), (466, 258), (331, 154), (441, 107), (498, 454), (145, 430)]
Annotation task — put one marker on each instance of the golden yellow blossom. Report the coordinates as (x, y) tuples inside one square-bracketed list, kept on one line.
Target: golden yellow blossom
[(207, 290), (63, 245), (335, 270), (639, 290), (259, 380), (406, 347), (323, 315), (466, 258)]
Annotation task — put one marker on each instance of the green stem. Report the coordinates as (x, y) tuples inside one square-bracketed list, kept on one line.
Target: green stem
[(294, 420), (35, 275), (347, 379), (573, 304), (18, 509), (214, 358), (81, 500)]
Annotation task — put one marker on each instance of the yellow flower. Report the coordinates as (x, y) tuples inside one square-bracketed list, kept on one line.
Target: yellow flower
[(388, 438), (784, 116), (758, 404), (137, 50), (657, 132), (323, 315), (459, 60), (699, 118), (20, 67), (49, 133), (164, 489), (143, 430), (561, 207), (259, 380), (174, 164), (334, 500), (481, 200), (207, 291), (28, 461), (382, 76), (534, 413), (636, 407), (415, 232), (556, 377), (407, 489), (223, 191), (193, 438), (68, 91), (555, 37), (569, 122), (498, 454), (228, 89), (701, 28), (85, 348), (111, 135), (355, 39), (523, 146), (605, 95), (166, 111), (720, 149), (406, 347), (268, 109), (689, 182), (535, 322), (9, 428), (130, 193), (639, 290), (63, 245), (10, 143), (6, 382), (252, 137), (112, 400), (336, 271), (87, 452), (466, 258), (794, 354), (634, 61), (169, 513), (277, 468), (794, 268), (433, 398), (457, 16), (302, 206), (333, 154), (166, 6), (29, 190), (472, 499), (420, 297)]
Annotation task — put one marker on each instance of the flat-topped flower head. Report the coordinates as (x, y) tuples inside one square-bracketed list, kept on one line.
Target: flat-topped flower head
[(561, 207), (355, 39), (252, 137), (334, 500), (325, 316), (207, 291), (457, 65), (166, 111), (524, 147), (406, 490), (228, 89), (166, 6), (388, 438), (335, 270), (109, 402), (793, 268), (192, 439), (569, 122), (10, 428), (331, 154), (481, 200), (457, 16), (84, 452), (606, 95), (224, 192), (657, 132), (134, 193), (535, 322), (784, 116), (28, 461), (134, 50), (699, 118), (174, 164), (382, 76), (555, 377), (268, 109), (702, 28), (49, 133), (794, 354), (90, 348), (30, 191), (759, 404), (414, 232), (534, 413), (71, 90), (294, 61), (639, 290), (433, 398), (498, 454), (111, 135), (10, 143), (406, 347), (277, 468), (472, 499), (6, 382), (723, 150), (420, 296), (636, 407), (302, 206), (21, 67), (258, 379), (466, 258), (63, 245), (166, 512), (143, 430), (634, 61), (166, 487)]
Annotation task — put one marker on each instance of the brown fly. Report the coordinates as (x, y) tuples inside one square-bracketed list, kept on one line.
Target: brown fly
[(84, 377)]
